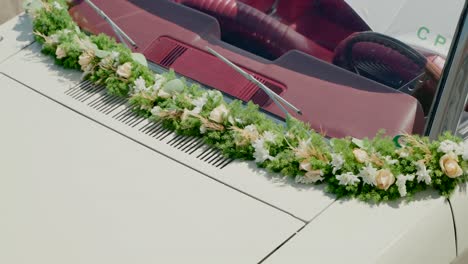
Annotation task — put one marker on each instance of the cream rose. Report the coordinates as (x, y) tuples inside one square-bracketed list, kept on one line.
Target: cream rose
[(219, 113), (305, 165), (384, 179), (125, 70), (84, 60), (311, 176), (60, 53), (360, 155), (449, 165)]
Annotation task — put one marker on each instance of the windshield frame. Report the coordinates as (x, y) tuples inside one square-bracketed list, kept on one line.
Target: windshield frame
[(452, 91)]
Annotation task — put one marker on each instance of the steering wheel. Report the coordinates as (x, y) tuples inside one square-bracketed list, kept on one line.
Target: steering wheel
[(257, 27), (385, 60)]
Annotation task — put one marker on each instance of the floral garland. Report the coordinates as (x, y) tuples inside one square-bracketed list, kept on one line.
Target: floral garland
[(370, 169)]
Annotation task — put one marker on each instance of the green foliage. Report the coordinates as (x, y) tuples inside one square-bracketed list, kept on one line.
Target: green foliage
[(230, 135)]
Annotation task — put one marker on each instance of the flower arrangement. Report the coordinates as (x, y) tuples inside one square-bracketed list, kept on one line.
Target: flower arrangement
[(375, 169)]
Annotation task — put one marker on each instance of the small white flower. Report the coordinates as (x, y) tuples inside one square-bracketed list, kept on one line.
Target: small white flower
[(402, 152), (423, 174), (261, 152), (337, 162), (368, 174), (390, 161), (202, 129), (125, 70), (60, 52), (251, 129), (199, 103), (235, 121), (219, 113), (269, 136), (159, 80), (156, 111), (115, 55), (140, 85), (57, 5), (347, 178), (447, 146), (401, 183), (463, 150)]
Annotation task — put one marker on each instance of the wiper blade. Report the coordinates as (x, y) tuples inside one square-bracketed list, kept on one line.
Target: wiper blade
[(275, 97), (120, 33)]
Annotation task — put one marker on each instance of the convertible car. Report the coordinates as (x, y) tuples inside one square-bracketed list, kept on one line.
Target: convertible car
[(83, 179), (309, 52)]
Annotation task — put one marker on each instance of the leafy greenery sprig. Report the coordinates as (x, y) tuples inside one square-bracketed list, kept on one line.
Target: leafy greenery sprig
[(369, 169)]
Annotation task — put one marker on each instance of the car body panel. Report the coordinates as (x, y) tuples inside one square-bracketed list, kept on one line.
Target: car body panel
[(459, 201), (350, 231)]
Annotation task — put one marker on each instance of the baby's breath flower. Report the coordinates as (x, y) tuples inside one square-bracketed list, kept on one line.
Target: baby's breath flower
[(337, 162), (423, 174), (447, 146), (347, 178), (261, 153), (368, 174), (401, 183)]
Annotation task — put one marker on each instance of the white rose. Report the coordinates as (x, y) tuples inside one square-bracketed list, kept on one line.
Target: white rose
[(219, 113), (125, 70)]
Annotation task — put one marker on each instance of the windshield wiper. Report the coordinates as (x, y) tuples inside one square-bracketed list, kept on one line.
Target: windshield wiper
[(275, 97), (118, 31)]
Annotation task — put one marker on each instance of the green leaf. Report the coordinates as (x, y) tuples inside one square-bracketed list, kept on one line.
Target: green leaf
[(101, 53), (140, 58), (173, 86)]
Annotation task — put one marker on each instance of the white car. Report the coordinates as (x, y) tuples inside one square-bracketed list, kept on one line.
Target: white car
[(85, 180)]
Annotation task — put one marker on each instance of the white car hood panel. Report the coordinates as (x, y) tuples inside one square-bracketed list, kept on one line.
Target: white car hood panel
[(73, 191)]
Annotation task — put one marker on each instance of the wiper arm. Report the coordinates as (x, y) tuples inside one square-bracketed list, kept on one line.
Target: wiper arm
[(120, 33), (275, 97)]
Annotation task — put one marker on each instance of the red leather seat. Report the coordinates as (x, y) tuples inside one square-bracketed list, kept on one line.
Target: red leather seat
[(258, 28)]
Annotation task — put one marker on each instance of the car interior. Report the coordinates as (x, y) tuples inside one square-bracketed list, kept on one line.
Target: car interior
[(318, 54)]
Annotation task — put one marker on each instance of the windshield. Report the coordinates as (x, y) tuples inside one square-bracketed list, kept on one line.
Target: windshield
[(351, 67)]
